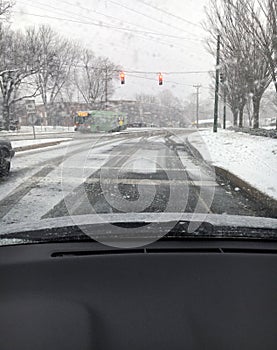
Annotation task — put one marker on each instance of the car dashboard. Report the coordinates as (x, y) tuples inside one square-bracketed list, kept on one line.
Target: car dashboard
[(172, 294)]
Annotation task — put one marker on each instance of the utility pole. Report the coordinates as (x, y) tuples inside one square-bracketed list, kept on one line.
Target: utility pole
[(224, 108), (273, 20), (223, 81), (216, 84), (197, 104), (106, 88)]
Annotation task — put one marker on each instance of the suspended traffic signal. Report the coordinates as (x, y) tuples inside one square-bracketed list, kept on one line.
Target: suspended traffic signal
[(122, 78), (160, 79)]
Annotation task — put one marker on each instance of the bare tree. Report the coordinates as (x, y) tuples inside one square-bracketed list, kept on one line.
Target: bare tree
[(55, 59), (94, 78), (246, 72), (263, 23), (5, 8), (149, 109), (16, 68), (224, 20), (164, 109), (257, 70)]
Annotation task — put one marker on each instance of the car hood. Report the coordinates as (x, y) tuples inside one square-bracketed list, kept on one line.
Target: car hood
[(215, 220)]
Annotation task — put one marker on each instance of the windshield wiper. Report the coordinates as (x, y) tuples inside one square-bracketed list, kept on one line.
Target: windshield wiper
[(61, 234), (120, 231), (207, 230)]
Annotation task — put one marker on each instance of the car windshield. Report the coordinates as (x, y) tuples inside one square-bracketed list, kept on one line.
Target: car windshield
[(142, 113)]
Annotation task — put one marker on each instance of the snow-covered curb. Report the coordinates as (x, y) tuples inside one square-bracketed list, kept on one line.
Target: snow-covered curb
[(250, 162), (25, 145), (28, 130)]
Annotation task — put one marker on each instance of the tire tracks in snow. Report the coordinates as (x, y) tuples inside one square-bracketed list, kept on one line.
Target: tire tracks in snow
[(7, 203)]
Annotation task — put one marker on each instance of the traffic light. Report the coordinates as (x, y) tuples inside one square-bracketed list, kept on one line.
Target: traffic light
[(122, 78), (160, 79), (221, 77)]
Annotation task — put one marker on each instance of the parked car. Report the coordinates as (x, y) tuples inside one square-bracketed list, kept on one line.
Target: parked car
[(14, 125), (6, 154)]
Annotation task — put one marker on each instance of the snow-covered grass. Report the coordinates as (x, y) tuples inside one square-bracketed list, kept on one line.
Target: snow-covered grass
[(251, 158)]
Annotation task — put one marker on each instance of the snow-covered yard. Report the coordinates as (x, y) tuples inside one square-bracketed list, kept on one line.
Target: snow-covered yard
[(251, 158)]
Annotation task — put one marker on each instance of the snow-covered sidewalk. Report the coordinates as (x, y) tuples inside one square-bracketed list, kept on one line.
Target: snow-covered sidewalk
[(251, 158)]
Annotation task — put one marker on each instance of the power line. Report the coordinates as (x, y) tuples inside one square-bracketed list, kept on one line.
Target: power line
[(134, 73), (128, 71), (170, 14), (111, 26), (97, 25), (153, 79), (147, 16), (151, 72), (141, 34), (169, 81), (126, 22), (103, 26), (171, 72)]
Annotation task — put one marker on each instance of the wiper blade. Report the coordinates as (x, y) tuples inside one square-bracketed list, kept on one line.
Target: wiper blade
[(70, 233), (141, 225), (104, 233), (207, 230)]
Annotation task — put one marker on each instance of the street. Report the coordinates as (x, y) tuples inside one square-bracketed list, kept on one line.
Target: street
[(112, 173)]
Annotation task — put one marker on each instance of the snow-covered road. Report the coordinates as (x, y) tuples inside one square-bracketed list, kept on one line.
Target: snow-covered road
[(138, 171), (41, 178)]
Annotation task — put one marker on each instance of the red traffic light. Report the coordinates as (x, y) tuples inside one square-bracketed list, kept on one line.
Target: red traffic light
[(160, 79), (122, 78)]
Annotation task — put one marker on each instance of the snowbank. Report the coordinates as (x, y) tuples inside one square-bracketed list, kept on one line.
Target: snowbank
[(251, 158)]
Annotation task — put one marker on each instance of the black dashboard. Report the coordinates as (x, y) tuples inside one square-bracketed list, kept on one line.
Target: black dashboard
[(188, 294)]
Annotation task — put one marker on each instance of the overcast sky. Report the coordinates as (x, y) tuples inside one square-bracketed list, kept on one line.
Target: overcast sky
[(179, 48)]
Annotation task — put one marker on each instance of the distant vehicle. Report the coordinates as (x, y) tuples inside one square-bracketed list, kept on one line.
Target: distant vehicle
[(137, 125), (100, 121), (205, 123), (6, 154), (14, 125), (268, 122)]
